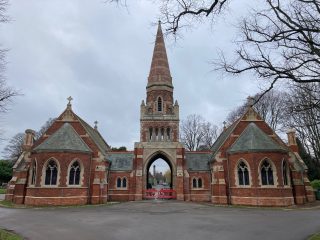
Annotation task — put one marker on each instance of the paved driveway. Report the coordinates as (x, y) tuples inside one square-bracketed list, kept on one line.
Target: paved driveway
[(160, 220)]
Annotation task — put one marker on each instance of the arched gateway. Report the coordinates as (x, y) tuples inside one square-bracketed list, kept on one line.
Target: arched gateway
[(150, 173), (231, 172)]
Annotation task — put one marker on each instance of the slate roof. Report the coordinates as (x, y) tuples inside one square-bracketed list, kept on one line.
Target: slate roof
[(223, 137), (64, 139), (95, 136), (253, 139), (121, 161), (197, 161)]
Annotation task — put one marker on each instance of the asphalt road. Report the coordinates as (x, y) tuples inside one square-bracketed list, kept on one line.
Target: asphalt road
[(160, 220)]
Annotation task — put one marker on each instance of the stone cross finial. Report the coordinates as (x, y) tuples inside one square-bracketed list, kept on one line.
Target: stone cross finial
[(69, 103), (96, 125), (224, 125), (250, 101)]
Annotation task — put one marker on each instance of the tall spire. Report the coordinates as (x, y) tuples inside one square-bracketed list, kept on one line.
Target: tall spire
[(159, 71)]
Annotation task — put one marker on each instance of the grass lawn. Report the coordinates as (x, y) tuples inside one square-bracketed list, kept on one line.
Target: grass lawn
[(6, 204), (315, 237), (2, 191), (5, 235)]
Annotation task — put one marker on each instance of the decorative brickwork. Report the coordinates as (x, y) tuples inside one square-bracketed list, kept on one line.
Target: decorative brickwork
[(71, 164)]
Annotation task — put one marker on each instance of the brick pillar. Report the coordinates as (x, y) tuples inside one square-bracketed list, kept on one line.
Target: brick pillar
[(138, 174), (298, 187), (308, 188), (218, 185), (179, 178)]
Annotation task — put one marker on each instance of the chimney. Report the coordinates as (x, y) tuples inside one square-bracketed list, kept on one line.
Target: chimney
[(292, 143), (28, 139)]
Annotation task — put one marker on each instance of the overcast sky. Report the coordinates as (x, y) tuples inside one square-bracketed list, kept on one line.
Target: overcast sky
[(100, 54)]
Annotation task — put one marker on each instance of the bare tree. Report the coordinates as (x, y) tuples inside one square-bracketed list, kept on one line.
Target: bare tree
[(196, 133), (210, 135), (14, 148), (191, 131), (271, 108), (304, 117), (3, 8), (281, 42), (44, 128), (178, 13), (6, 93)]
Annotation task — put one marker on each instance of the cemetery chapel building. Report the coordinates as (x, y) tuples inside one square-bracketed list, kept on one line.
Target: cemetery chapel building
[(71, 163)]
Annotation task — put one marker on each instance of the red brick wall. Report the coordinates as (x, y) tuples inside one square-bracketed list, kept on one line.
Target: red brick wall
[(200, 194), (119, 194)]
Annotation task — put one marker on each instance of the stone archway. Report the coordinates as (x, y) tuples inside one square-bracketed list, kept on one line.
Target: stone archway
[(151, 159)]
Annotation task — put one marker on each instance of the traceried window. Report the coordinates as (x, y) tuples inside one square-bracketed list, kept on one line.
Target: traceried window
[(266, 173), (34, 173), (74, 174), (159, 104), (243, 174), (51, 173), (285, 173)]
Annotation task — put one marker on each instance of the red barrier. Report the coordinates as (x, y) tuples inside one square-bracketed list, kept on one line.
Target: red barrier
[(160, 194)]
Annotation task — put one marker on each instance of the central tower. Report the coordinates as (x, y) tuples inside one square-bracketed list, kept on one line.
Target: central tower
[(159, 114), (159, 125)]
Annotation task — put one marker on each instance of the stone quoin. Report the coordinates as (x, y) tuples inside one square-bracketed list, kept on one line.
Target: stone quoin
[(71, 163)]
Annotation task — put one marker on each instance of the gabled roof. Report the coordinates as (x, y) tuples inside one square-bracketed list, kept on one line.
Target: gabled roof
[(223, 137), (198, 161), (64, 139), (95, 136), (253, 139), (120, 161)]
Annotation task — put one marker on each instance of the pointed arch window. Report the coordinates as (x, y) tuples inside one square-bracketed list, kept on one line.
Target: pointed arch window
[(122, 182), (159, 102), (197, 183), (243, 174), (150, 133), (33, 173), (266, 173), (119, 182), (51, 173), (168, 133), (285, 173), (74, 174), (194, 183)]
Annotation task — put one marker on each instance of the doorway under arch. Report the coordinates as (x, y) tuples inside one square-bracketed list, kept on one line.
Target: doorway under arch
[(159, 172)]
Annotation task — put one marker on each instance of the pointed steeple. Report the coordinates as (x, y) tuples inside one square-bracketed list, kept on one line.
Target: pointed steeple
[(159, 71)]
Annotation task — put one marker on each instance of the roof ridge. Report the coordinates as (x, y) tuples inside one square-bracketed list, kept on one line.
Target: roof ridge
[(90, 130)]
